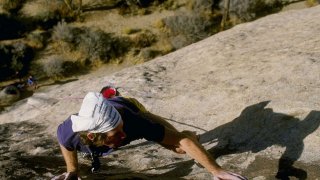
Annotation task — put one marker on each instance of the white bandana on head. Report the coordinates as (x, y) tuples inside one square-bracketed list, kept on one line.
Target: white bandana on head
[(96, 115)]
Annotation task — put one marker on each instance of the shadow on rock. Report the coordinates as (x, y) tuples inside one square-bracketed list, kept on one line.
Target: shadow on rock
[(59, 82), (26, 151), (178, 170), (257, 128), (21, 137), (120, 173)]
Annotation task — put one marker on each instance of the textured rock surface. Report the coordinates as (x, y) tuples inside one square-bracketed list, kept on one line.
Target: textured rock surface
[(253, 92)]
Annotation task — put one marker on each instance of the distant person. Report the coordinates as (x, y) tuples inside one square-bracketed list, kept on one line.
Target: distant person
[(31, 81), (102, 125)]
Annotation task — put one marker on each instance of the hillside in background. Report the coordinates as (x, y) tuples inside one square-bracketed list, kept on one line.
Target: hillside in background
[(51, 41), (56, 42)]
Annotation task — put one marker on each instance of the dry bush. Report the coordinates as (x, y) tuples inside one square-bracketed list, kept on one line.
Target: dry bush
[(164, 46), (64, 38), (185, 29), (14, 57), (137, 7), (262, 8), (53, 66), (247, 10), (192, 24), (37, 39), (18, 51), (57, 67), (11, 6), (170, 4), (96, 45), (143, 39), (159, 24), (63, 32), (45, 10), (202, 6), (148, 53), (101, 46)]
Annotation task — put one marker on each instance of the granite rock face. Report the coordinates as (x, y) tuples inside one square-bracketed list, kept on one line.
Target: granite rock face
[(252, 92)]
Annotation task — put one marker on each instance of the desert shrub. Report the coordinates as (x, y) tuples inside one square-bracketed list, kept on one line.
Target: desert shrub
[(201, 5), (180, 41), (73, 67), (46, 12), (248, 10), (94, 44), (170, 4), (185, 29), (15, 57), (148, 53), (59, 66), (53, 66), (64, 37), (18, 53), (137, 7), (63, 32), (143, 39), (262, 8), (159, 24), (164, 45), (126, 8), (37, 39), (11, 6)]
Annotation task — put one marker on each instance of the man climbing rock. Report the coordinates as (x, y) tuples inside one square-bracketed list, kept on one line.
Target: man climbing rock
[(102, 125)]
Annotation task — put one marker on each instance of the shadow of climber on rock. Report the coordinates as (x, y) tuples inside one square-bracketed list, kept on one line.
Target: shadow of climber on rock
[(258, 128)]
